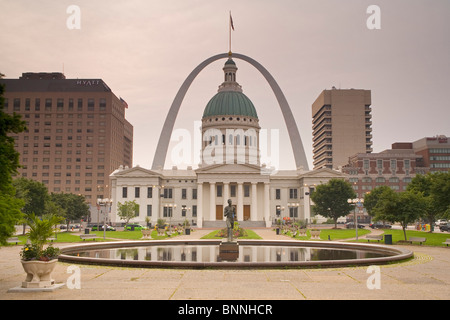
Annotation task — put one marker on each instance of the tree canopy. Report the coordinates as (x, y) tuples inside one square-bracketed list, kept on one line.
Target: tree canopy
[(330, 199), (10, 212), (127, 210)]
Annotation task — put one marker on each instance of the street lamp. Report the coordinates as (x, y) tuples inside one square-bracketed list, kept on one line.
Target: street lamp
[(355, 202), (104, 202)]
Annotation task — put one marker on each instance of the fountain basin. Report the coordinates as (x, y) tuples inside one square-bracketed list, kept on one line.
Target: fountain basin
[(252, 254)]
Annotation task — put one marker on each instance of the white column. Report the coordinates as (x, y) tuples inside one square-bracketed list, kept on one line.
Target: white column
[(212, 201), (240, 202), (156, 207), (254, 207), (267, 205), (200, 205)]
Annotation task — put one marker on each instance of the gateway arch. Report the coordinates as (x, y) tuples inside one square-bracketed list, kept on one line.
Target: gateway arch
[(294, 135)]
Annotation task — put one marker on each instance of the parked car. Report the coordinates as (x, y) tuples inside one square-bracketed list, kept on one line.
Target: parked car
[(135, 226), (441, 222), (351, 225), (96, 227), (445, 227), (380, 225)]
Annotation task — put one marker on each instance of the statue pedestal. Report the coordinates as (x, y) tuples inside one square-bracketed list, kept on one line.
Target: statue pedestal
[(228, 251)]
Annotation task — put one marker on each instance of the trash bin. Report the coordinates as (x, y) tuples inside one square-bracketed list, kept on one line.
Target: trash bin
[(187, 231), (278, 230), (86, 231), (388, 239)]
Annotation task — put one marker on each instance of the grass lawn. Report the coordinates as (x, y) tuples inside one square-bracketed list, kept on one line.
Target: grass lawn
[(433, 239), (335, 234), (250, 235), (67, 237)]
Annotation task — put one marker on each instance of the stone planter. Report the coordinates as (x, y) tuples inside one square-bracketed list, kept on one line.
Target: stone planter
[(38, 273)]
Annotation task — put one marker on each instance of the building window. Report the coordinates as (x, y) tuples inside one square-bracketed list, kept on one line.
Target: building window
[(219, 191), (194, 211), (184, 194), (168, 193), (167, 213), (194, 194), (407, 163), (394, 165), (137, 192), (277, 194), (293, 212), (149, 210), (246, 191), (232, 190), (149, 192), (293, 193), (366, 164), (124, 192)]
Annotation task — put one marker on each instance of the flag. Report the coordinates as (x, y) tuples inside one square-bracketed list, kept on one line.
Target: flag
[(124, 103), (231, 22)]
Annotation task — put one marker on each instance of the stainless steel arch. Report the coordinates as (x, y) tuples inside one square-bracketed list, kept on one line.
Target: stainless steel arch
[(294, 135)]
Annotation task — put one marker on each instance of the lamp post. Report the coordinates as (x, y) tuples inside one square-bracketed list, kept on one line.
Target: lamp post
[(355, 202), (104, 202)]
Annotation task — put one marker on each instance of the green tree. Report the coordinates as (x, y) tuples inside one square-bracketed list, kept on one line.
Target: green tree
[(127, 210), (402, 207), (10, 213), (35, 196), (440, 192), (9, 157), (330, 199), (373, 198), (73, 206), (422, 184)]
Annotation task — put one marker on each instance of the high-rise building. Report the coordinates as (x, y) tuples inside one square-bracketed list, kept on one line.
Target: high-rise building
[(342, 126), (77, 132)]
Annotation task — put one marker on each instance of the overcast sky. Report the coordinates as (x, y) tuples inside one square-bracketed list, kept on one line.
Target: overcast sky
[(144, 50)]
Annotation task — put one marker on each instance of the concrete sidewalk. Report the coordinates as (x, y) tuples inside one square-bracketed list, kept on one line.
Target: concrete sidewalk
[(425, 277)]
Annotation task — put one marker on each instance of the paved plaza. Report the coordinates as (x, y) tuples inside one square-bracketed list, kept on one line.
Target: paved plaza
[(427, 276)]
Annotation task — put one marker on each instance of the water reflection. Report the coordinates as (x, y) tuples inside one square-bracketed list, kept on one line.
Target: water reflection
[(210, 253)]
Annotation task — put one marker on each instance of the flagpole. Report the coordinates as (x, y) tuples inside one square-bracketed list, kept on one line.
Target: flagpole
[(229, 23)]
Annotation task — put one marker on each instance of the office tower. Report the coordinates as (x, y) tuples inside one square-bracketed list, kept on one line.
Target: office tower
[(341, 126), (77, 132)]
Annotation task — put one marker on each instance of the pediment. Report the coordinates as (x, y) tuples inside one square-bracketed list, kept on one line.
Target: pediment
[(136, 172), (323, 172), (231, 169)]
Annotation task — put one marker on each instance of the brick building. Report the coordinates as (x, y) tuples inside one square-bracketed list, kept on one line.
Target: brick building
[(77, 132)]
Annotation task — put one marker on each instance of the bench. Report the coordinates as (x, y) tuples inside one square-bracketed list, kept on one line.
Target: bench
[(88, 236), (374, 237), (13, 240), (447, 242), (417, 239)]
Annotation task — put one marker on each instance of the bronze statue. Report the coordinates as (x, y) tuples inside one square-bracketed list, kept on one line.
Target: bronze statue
[(230, 213)]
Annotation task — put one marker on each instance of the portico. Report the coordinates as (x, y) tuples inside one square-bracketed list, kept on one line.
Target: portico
[(243, 184)]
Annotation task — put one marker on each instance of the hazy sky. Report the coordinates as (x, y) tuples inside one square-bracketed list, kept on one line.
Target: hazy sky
[(144, 50)]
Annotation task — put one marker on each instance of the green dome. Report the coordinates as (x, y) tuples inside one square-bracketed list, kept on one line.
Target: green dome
[(227, 103)]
